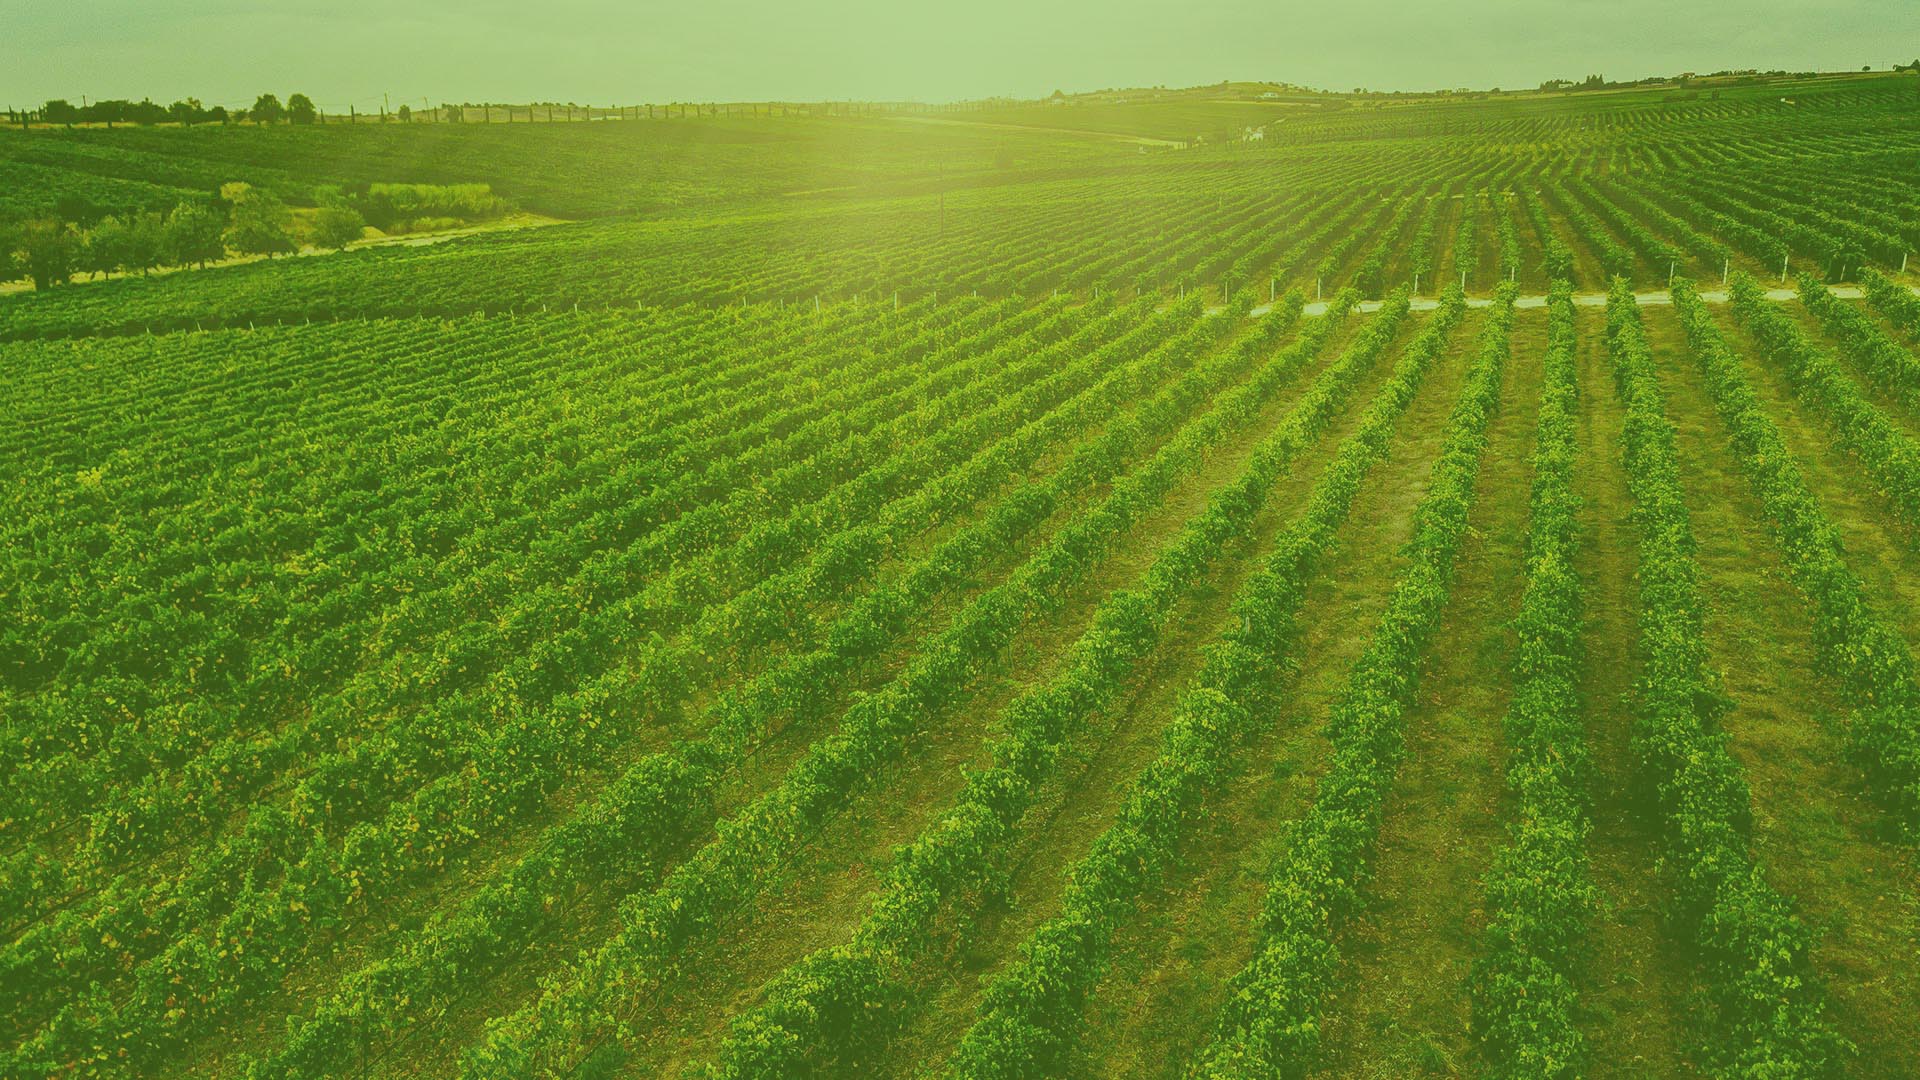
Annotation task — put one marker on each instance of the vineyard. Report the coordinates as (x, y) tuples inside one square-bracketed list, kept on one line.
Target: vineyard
[(1431, 590)]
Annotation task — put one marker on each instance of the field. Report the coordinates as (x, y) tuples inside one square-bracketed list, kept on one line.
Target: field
[(1038, 591)]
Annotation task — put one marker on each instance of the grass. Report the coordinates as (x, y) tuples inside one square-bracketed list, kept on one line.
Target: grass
[(1814, 828), (1401, 1012)]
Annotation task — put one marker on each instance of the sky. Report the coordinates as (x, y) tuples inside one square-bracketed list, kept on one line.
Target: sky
[(605, 52)]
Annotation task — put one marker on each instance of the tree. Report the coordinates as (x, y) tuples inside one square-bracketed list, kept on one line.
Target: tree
[(59, 111), (300, 109), (50, 248), (107, 248), (77, 209), (146, 242), (259, 223), (10, 264), (266, 109), (218, 114), (186, 113), (193, 235), (405, 114), (337, 226)]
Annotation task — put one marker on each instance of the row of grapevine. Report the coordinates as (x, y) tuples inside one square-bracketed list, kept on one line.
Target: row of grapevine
[(1631, 210), (1663, 258), (638, 819), (1539, 898), (223, 783), (514, 764), (1885, 362), (1508, 235), (1556, 256), (1889, 455), (1899, 305), (1466, 238), (1614, 259), (1767, 1007), (119, 829), (756, 841), (862, 986), (1872, 662), (1268, 1024), (1031, 1010)]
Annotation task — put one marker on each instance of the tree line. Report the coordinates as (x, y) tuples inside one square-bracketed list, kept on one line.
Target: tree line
[(245, 220), (267, 109)]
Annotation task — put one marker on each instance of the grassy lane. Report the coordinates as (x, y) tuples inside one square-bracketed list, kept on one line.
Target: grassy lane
[(1814, 828), (1402, 1012), (1171, 965), (1634, 993)]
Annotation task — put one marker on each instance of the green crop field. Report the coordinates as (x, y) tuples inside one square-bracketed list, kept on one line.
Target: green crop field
[(1222, 584)]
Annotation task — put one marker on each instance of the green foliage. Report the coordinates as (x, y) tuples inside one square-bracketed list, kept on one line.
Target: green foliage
[(1768, 1007), (1890, 455), (1269, 1025), (195, 233), (259, 223), (51, 252), (1539, 897), (1871, 660), (337, 226), (391, 206)]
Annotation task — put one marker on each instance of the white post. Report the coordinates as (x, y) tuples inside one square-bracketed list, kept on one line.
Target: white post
[(1416, 284), (1903, 262), (1317, 294), (1725, 265), (816, 304), (1669, 275), (1783, 268), (1463, 281), (1273, 285)]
